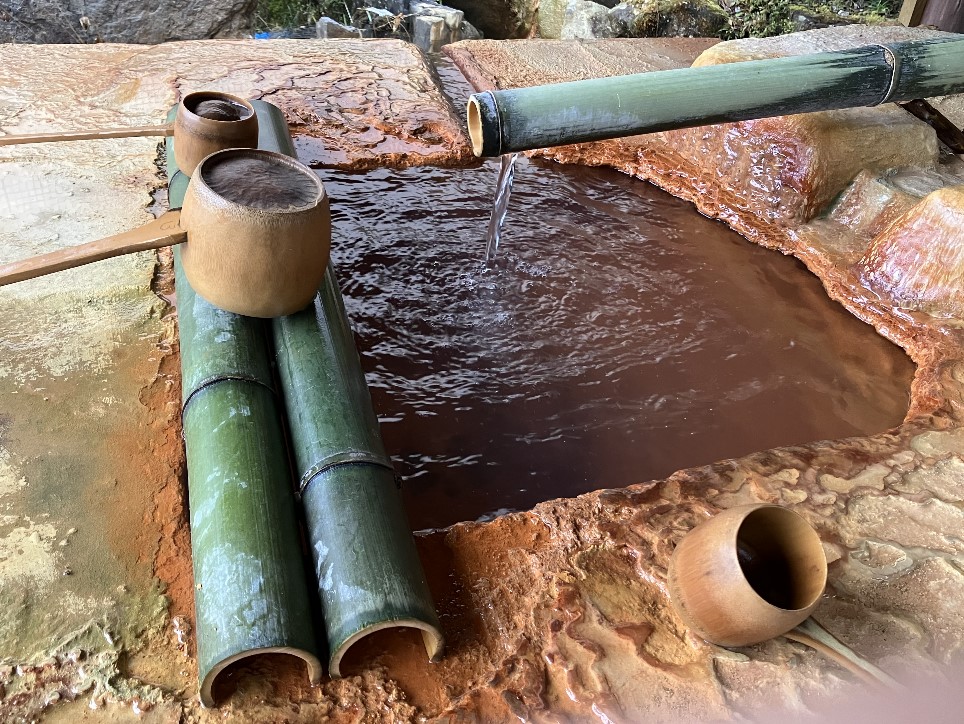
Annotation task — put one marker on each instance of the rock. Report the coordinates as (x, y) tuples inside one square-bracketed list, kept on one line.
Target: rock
[(790, 168), (811, 18), (669, 18), (625, 18), (871, 204), (429, 33), (124, 21), (585, 19), (918, 261), (552, 16), (327, 28), (501, 18), (467, 31)]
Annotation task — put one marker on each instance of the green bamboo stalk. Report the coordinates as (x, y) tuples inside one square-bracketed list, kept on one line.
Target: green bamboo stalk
[(369, 574), (251, 596), (591, 110), (250, 591)]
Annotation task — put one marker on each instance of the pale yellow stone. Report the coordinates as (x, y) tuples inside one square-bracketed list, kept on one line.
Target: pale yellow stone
[(792, 497), (787, 475), (905, 523), (872, 477), (945, 480), (938, 443)]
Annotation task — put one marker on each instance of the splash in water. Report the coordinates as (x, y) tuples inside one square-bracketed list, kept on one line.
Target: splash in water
[(500, 206)]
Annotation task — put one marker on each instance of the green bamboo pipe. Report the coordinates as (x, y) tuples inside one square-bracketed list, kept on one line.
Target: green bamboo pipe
[(251, 594), (522, 119), (368, 572)]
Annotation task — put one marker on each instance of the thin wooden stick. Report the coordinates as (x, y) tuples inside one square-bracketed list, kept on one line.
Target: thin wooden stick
[(88, 135), (815, 636), (163, 231)]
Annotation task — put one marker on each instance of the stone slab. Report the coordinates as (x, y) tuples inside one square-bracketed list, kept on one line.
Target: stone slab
[(349, 103), (560, 613)]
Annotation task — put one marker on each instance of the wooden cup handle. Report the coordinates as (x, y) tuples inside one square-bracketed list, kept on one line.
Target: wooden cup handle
[(91, 134), (162, 231), (815, 636)]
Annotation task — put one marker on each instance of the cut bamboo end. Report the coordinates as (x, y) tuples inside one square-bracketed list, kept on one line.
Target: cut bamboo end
[(485, 124), (431, 636), (475, 126), (210, 679)]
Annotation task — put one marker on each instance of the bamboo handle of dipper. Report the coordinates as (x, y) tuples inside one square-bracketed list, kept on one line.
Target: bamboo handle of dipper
[(88, 135), (815, 636), (163, 231)]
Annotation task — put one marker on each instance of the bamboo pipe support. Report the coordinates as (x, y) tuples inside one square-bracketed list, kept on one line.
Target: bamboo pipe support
[(251, 596), (367, 568), (522, 119)]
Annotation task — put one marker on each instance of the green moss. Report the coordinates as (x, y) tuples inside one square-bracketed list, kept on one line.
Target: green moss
[(763, 18), (273, 14)]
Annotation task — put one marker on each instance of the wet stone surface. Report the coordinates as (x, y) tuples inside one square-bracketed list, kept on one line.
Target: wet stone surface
[(553, 614)]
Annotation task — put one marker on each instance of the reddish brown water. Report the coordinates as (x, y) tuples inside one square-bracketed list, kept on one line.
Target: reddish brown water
[(618, 336)]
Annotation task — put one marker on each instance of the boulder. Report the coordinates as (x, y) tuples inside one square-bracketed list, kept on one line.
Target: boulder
[(467, 31), (124, 21), (429, 33), (918, 261), (669, 18), (552, 16), (501, 18), (326, 28), (585, 19), (451, 18)]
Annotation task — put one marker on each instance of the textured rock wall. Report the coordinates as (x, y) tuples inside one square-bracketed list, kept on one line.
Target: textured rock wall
[(122, 21), (500, 18)]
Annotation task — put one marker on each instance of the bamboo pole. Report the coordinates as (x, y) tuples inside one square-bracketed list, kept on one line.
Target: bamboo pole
[(369, 574), (251, 595), (522, 119)]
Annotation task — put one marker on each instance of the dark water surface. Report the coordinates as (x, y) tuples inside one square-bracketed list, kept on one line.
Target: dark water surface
[(618, 336)]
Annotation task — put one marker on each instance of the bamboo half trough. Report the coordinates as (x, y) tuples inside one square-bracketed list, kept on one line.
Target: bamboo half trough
[(368, 571), (251, 594), (522, 119)]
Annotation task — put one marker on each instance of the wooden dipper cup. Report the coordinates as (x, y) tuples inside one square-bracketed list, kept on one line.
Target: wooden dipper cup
[(755, 572), (747, 575), (206, 121), (258, 233)]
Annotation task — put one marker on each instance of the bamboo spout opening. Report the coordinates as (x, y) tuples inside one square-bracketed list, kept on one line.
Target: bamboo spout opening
[(210, 692), (431, 637), (474, 119)]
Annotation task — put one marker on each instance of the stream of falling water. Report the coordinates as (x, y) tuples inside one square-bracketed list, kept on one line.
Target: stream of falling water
[(500, 206)]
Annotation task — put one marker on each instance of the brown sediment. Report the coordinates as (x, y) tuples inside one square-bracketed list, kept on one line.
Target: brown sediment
[(918, 261)]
